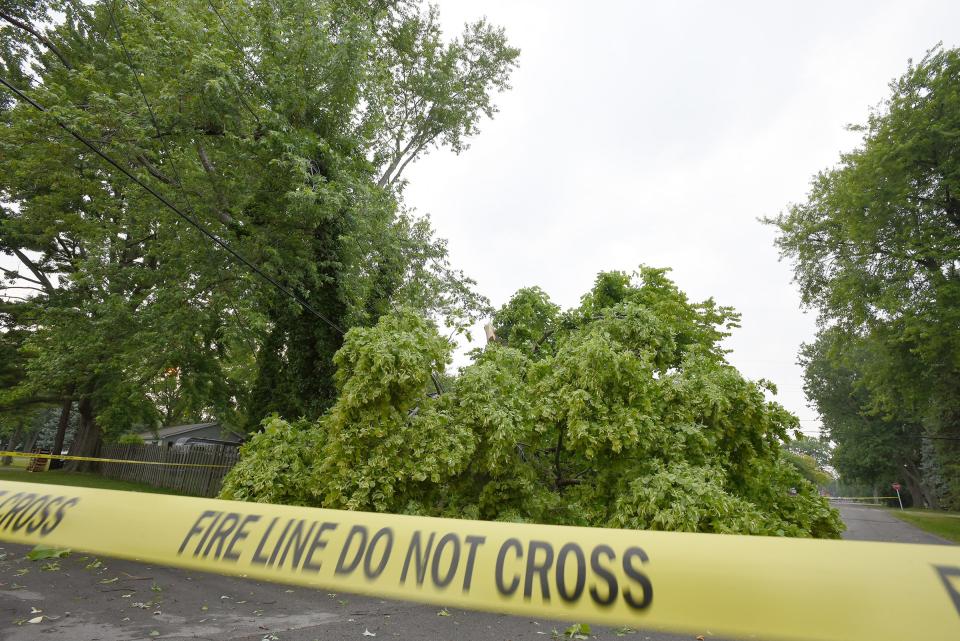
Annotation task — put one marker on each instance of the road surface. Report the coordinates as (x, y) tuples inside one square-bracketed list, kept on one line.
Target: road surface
[(877, 524)]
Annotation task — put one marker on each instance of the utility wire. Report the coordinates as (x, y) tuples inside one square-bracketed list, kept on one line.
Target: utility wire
[(203, 230), (433, 376)]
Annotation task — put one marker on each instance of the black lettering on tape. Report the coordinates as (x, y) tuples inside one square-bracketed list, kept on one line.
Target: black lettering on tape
[(473, 542), (45, 514), (206, 533), (422, 557), (29, 512), (541, 569), (196, 529), (580, 582), (298, 540), (239, 535), (279, 543), (58, 516), (318, 543), (225, 528), (368, 569), (356, 531), (442, 581), (639, 577), (605, 574), (258, 558), (502, 588), (17, 508), (9, 499), (948, 575)]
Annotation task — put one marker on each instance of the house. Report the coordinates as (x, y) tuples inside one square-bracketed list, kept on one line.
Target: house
[(187, 434)]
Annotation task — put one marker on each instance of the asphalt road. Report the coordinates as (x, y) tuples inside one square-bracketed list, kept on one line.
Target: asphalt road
[(83, 598), (875, 524)]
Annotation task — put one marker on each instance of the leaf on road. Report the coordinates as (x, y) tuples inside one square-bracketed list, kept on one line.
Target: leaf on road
[(35, 620), (113, 580), (368, 633), (41, 552)]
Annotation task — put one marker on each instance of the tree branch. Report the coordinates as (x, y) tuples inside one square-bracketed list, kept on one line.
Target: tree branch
[(39, 36), (34, 269), (211, 172), (156, 173), (9, 273)]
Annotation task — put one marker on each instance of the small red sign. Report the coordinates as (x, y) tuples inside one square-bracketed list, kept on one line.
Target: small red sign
[(896, 487)]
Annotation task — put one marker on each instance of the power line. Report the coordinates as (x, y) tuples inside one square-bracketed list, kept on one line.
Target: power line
[(203, 230), (433, 376)]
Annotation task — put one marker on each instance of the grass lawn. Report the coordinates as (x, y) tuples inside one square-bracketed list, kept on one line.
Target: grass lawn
[(75, 479), (944, 524)]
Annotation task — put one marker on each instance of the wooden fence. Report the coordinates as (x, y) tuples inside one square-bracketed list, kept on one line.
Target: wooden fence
[(194, 481)]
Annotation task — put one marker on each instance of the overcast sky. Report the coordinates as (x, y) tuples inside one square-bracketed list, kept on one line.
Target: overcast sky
[(658, 133)]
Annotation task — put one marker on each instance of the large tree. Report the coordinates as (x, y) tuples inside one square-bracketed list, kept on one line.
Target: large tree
[(283, 127), (873, 448), (876, 250)]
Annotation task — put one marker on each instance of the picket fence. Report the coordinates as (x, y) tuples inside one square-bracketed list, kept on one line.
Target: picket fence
[(192, 481)]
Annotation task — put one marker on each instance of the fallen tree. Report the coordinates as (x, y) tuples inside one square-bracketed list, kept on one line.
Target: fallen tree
[(622, 412)]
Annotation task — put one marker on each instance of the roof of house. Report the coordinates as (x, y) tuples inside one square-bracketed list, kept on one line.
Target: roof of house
[(178, 430)]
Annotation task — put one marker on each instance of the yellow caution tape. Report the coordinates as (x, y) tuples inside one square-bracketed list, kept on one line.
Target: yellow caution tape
[(756, 587), (105, 460), (859, 498)]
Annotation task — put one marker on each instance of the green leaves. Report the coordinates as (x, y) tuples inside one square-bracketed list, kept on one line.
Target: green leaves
[(627, 416), (41, 552), (876, 252)]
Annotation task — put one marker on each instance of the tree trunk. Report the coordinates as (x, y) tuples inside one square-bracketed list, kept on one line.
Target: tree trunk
[(12, 443), (62, 425), (919, 489), (87, 440), (31, 442)]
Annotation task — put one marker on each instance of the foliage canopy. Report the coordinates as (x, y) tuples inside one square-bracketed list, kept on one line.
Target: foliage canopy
[(622, 412), (876, 250)]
